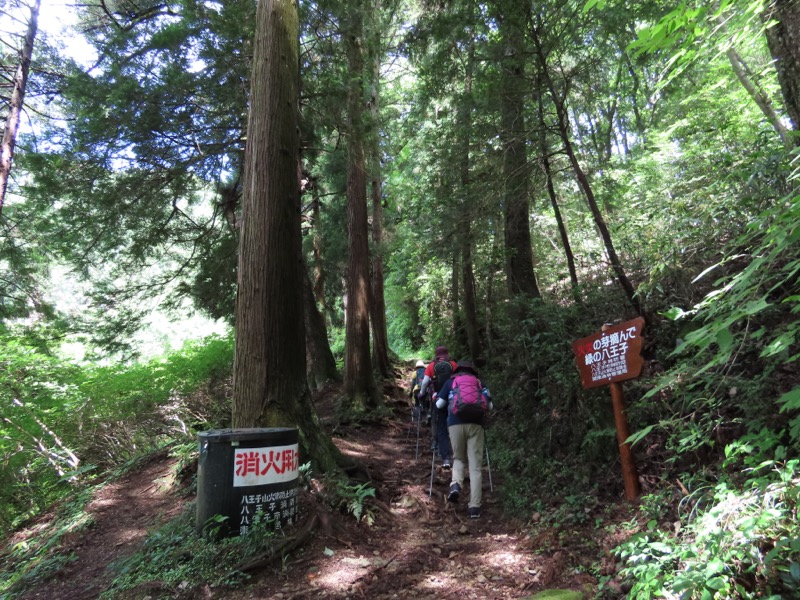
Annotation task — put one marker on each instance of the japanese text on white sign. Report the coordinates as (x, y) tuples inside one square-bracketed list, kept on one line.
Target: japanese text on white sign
[(265, 466)]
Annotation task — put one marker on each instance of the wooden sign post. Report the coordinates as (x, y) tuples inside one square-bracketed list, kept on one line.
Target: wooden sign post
[(606, 358)]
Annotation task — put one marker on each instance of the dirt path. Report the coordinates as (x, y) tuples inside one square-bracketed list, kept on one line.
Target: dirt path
[(419, 546), (121, 513)]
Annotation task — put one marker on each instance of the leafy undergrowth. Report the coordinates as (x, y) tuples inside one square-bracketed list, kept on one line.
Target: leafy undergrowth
[(390, 535)]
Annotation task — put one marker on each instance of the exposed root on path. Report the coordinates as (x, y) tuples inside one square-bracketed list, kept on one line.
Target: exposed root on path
[(280, 549)]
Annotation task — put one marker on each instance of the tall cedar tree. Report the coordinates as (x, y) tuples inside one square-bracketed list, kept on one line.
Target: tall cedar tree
[(361, 392), (465, 133), (320, 363), (380, 335), (269, 378), (516, 171), (16, 100), (544, 151)]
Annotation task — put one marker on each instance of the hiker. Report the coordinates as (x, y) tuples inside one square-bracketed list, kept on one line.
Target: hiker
[(467, 401), (436, 373), (416, 382)]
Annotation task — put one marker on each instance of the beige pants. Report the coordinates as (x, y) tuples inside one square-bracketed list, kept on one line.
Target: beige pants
[(467, 442)]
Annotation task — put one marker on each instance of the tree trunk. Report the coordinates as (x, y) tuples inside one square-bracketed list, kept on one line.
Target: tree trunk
[(640, 129), (465, 228), (269, 378), (495, 266), (380, 336), (320, 363), (17, 101), (516, 174), (583, 180), (783, 39), (551, 192), (360, 388), (459, 328), (318, 283), (758, 94), (470, 305)]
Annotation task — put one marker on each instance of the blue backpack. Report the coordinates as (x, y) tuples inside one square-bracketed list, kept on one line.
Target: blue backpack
[(419, 377)]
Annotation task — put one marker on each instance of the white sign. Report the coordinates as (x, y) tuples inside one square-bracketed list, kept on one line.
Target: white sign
[(265, 466)]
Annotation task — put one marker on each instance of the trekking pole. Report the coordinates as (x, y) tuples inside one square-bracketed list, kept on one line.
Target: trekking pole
[(433, 470), (488, 466), (433, 451), (418, 408)]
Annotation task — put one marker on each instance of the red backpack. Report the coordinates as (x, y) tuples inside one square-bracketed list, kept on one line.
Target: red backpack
[(468, 402)]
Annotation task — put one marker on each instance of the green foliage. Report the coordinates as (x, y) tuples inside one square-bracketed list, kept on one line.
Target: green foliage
[(179, 560), (548, 436), (140, 182), (62, 423), (744, 545), (746, 302), (38, 558), (39, 396), (352, 499), (739, 529)]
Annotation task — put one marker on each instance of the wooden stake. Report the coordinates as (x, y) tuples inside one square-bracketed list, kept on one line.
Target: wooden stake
[(629, 474)]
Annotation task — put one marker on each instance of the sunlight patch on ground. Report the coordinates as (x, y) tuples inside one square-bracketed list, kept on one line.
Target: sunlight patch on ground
[(500, 559), (509, 556), (127, 535), (341, 574), (439, 583), (352, 448)]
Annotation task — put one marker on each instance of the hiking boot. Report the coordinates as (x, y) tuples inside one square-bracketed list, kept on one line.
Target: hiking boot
[(447, 464), (455, 490), (474, 512)]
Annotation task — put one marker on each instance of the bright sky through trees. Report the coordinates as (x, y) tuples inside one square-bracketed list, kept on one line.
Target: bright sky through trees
[(57, 18)]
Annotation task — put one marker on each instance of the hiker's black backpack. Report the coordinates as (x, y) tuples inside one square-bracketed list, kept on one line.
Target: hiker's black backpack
[(442, 371)]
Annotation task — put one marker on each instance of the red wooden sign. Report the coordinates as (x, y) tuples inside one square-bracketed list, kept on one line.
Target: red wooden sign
[(611, 355)]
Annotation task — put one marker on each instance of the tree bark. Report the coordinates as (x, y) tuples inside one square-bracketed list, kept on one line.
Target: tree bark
[(360, 388), (783, 39), (516, 173), (318, 283), (465, 229), (380, 336), (470, 304), (269, 378), (459, 329), (320, 363), (16, 102)]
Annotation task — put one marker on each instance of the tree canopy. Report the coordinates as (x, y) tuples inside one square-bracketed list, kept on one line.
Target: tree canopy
[(498, 177)]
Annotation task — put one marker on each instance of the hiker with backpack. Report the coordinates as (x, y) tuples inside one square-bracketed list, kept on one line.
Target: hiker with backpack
[(467, 402), (416, 382), (436, 374), (420, 407)]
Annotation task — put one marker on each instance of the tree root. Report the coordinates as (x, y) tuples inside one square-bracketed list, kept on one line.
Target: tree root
[(281, 548)]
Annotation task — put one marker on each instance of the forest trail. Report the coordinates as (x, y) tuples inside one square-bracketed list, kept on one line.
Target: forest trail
[(120, 515), (417, 547)]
